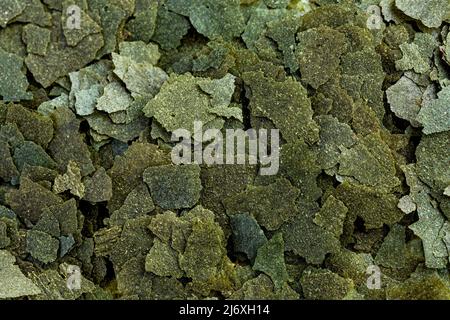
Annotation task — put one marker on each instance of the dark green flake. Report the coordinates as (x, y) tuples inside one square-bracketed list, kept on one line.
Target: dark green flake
[(174, 187), (270, 260)]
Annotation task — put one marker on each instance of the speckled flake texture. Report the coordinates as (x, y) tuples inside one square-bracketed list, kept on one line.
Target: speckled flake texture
[(224, 149)]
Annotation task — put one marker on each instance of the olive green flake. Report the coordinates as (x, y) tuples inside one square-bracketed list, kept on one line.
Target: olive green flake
[(174, 187), (42, 246), (322, 284), (435, 115), (270, 260), (258, 201), (36, 38), (248, 236), (71, 180), (405, 98), (10, 10), (331, 216), (319, 51), (162, 260), (430, 15), (13, 82), (98, 188), (13, 283)]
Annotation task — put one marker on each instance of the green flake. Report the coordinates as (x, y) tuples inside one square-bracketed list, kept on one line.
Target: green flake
[(435, 115), (10, 10), (68, 144), (98, 188), (333, 136), (134, 66), (258, 201), (53, 284), (331, 216), (171, 229), (42, 246), (86, 100), (7, 213), (446, 49), (112, 16), (318, 53), (170, 29), (5, 241), (363, 77), (8, 169), (174, 187), (119, 117), (30, 199), (406, 204), (71, 180), (270, 260), (103, 125), (262, 288), (180, 103), (212, 18), (431, 15), (417, 55), (247, 235), (204, 258), (142, 25), (36, 13), (221, 91), (39, 174), (392, 253), (13, 283), (374, 206), (126, 173), (308, 240), (288, 106), (46, 108), (257, 24), (433, 159), (322, 284), (11, 40), (425, 286), (135, 240), (66, 213), (221, 182), (65, 244), (405, 99), (370, 162), (49, 224), (298, 163), (133, 281), (277, 3), (390, 12), (447, 191), (164, 288), (105, 239), (137, 203), (430, 228), (36, 38), (13, 82), (283, 31), (140, 52), (115, 98), (87, 86), (61, 60), (162, 260), (32, 154), (32, 125), (11, 135), (88, 26)]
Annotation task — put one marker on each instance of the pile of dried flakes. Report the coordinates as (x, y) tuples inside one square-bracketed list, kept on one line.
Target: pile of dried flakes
[(360, 91)]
